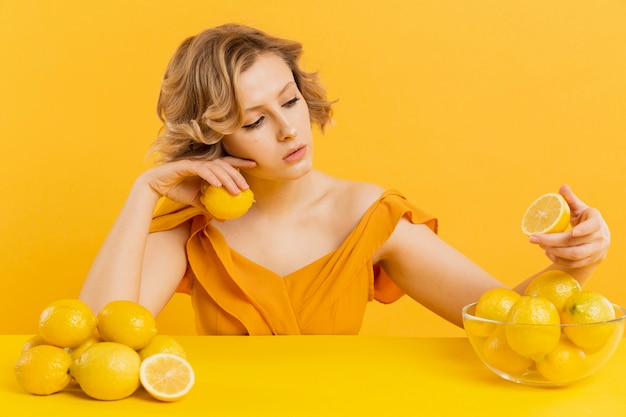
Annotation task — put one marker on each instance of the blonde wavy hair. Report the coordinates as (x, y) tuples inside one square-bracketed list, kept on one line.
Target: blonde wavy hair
[(199, 101)]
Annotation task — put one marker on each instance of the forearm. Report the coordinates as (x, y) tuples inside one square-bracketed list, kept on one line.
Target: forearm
[(116, 270)]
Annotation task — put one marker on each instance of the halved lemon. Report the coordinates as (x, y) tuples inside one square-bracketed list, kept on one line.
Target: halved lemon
[(166, 376), (549, 213)]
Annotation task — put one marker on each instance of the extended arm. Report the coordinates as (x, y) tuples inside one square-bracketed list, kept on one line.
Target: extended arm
[(444, 280)]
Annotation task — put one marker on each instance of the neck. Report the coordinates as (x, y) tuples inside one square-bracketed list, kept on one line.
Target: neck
[(278, 197)]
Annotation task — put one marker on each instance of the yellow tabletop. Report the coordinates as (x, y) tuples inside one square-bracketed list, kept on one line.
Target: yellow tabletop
[(335, 376)]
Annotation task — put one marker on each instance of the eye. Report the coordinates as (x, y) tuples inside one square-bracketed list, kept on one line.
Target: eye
[(291, 102), (254, 124)]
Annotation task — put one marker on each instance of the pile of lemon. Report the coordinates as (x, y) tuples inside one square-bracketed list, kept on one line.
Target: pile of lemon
[(109, 355), (535, 338)]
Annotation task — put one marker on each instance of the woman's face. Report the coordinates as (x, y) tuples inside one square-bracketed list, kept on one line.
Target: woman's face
[(276, 131)]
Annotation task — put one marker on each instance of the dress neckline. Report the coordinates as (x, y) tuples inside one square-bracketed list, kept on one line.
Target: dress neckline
[(324, 258), (249, 262)]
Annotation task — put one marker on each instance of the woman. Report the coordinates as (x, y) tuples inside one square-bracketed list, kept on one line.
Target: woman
[(313, 250)]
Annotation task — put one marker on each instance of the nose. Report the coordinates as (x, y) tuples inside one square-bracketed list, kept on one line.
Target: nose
[(289, 133), (287, 130)]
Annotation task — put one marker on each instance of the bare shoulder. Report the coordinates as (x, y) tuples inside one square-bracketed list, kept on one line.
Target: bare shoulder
[(353, 197)]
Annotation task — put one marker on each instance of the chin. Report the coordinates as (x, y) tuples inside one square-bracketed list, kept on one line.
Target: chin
[(303, 168), (295, 172)]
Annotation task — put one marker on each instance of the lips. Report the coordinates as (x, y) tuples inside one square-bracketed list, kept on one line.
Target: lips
[(295, 154)]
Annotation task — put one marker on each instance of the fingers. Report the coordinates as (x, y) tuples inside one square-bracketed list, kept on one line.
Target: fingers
[(590, 221), (586, 244), (573, 250), (184, 180), (578, 256), (576, 204), (225, 173)]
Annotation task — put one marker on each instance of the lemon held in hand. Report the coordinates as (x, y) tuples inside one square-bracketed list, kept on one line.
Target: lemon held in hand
[(550, 213), (225, 206)]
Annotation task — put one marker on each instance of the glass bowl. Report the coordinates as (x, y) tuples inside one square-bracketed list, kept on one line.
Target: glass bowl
[(543, 355)]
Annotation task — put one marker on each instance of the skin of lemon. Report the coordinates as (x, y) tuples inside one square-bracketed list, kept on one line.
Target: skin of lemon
[(585, 308), (535, 330), (566, 363), (33, 341), (493, 304), (555, 285), (43, 369), (76, 352), (499, 354), (67, 323), (224, 205), (496, 303), (162, 344), (127, 322), (107, 371)]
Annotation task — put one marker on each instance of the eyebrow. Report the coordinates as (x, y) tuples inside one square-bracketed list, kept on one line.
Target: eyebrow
[(289, 84)]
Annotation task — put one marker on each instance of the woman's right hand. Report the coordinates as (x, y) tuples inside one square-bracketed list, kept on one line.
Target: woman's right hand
[(183, 180)]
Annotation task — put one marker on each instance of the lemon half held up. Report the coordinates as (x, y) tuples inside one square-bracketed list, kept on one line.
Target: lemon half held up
[(550, 213), (223, 205)]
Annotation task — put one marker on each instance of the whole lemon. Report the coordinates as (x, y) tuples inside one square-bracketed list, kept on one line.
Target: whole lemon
[(78, 350), (496, 303), (555, 285), (493, 304), (585, 308), (67, 323), (567, 362), (499, 354), (107, 371), (43, 369), (223, 205), (126, 322), (535, 327), (163, 344), (33, 341)]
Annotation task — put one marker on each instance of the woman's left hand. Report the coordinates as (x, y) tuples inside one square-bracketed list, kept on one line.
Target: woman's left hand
[(586, 243)]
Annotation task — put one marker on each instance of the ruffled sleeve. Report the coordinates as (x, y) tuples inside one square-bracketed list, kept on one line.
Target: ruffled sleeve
[(383, 216), (169, 214)]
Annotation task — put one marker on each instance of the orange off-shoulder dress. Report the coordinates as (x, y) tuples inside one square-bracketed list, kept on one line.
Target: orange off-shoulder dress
[(232, 295)]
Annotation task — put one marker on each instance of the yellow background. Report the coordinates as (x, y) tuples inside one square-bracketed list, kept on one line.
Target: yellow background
[(471, 108)]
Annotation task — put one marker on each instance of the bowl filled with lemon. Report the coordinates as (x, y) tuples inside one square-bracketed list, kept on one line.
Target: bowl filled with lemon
[(553, 334)]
